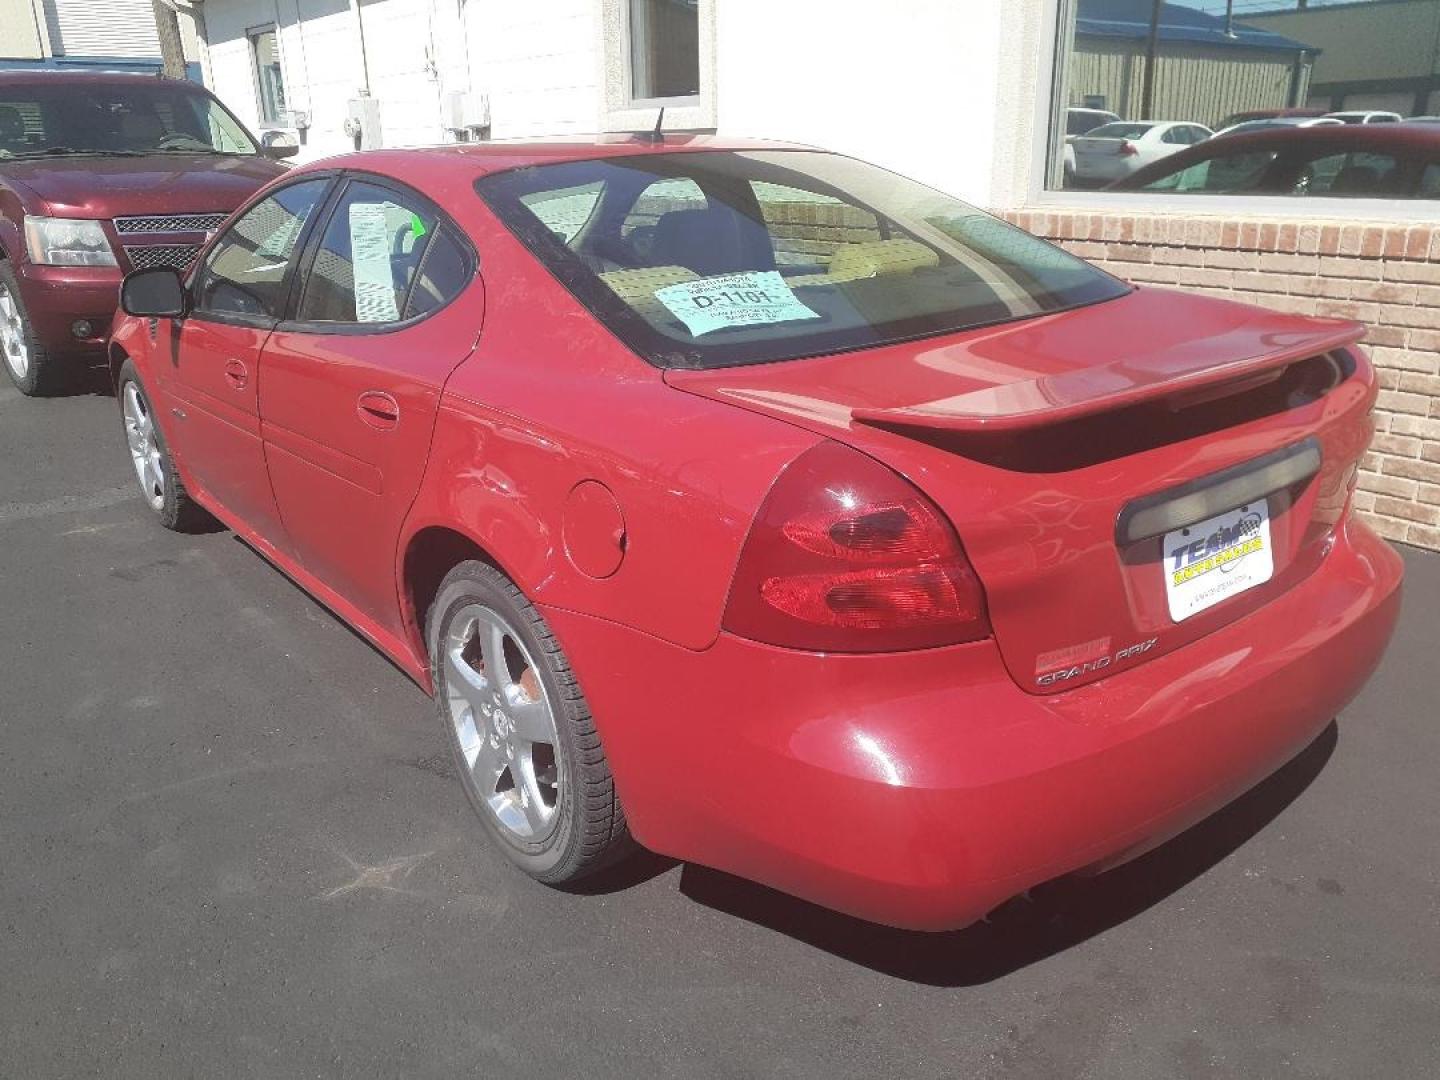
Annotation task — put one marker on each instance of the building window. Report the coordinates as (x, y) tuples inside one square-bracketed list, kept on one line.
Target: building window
[(664, 49), (269, 79), (1247, 97)]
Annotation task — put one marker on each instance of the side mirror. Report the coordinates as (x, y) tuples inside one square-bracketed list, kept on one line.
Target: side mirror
[(278, 144), (156, 293)]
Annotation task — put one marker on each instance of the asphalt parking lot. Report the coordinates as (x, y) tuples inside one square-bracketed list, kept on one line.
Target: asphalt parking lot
[(230, 846)]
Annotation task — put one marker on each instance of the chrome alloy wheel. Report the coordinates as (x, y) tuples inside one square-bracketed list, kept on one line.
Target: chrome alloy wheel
[(504, 723), (12, 335), (144, 446)]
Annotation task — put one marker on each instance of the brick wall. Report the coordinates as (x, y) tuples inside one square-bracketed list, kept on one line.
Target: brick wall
[(1387, 276)]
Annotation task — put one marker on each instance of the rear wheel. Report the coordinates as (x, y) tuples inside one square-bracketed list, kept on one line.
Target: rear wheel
[(519, 729), (154, 468), (29, 364)]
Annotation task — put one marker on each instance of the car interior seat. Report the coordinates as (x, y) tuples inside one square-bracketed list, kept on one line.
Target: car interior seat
[(717, 239), (140, 131), (1357, 180)]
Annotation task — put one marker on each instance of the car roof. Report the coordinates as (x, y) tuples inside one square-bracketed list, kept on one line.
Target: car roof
[(481, 159), (35, 76), (1391, 137), (1337, 138)]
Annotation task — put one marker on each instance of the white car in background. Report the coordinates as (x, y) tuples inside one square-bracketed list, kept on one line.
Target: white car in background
[(1113, 151), (1248, 126), (1081, 122), (1365, 116)]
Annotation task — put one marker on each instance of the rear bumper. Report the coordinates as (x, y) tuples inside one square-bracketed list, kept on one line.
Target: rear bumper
[(56, 297), (922, 790)]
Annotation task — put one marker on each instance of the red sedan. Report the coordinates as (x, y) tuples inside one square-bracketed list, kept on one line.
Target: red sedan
[(774, 510)]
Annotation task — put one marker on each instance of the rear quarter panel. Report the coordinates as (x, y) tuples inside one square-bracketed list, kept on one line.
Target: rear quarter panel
[(550, 399)]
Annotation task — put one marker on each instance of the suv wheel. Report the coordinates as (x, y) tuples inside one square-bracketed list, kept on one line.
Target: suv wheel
[(30, 366)]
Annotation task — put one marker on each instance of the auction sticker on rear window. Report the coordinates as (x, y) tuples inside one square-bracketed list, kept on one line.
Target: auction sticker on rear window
[(1215, 559), (751, 299)]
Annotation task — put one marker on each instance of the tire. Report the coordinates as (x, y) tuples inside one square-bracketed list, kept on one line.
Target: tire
[(29, 364), (557, 832), (160, 484)]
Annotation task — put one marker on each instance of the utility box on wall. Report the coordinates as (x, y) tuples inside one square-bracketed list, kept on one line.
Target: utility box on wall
[(362, 123), (467, 115)]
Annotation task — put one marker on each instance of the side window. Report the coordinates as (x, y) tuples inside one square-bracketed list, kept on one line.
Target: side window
[(1429, 183), (1175, 136), (443, 276), (1356, 174), (23, 124), (1230, 173), (368, 257), (245, 271), (808, 228)]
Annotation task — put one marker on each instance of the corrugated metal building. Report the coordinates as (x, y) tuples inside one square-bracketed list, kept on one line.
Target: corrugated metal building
[(112, 34), (1205, 70), (1381, 54)]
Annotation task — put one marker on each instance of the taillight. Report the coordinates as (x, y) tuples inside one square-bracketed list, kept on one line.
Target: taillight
[(846, 556), (1128, 149)]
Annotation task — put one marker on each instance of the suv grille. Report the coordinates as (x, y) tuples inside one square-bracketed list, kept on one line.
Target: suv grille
[(152, 240), (129, 226), (179, 256)]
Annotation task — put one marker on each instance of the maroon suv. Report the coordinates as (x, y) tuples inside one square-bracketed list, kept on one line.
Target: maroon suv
[(101, 174)]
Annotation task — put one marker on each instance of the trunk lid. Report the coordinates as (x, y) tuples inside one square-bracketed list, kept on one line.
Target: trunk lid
[(1088, 146), (1066, 448)]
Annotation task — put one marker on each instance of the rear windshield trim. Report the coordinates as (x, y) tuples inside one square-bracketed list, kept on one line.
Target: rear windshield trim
[(635, 333)]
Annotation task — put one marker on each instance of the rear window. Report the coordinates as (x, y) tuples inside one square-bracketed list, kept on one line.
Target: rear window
[(713, 258), (1120, 131), (1078, 123)]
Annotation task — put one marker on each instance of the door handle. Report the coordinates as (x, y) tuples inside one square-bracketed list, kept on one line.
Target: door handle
[(236, 374), (379, 410)]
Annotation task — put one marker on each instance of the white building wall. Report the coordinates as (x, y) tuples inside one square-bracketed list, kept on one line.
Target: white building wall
[(399, 48), (319, 55), (909, 84), (539, 62), (941, 90)]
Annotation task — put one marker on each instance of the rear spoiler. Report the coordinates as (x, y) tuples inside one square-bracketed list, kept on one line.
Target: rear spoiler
[(1191, 371)]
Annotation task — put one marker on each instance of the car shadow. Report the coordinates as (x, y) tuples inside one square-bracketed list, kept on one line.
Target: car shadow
[(635, 869), (93, 381), (1054, 917)]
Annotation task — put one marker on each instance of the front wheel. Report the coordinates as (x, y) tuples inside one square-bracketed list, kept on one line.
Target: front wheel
[(519, 729), (29, 364), (150, 457)]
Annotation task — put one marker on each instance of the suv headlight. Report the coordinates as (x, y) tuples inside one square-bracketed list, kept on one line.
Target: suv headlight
[(67, 242)]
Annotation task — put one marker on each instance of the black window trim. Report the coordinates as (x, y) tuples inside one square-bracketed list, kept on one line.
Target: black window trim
[(443, 224), (263, 322)]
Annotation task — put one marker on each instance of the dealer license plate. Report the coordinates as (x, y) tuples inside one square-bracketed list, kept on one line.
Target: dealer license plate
[(1216, 559)]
